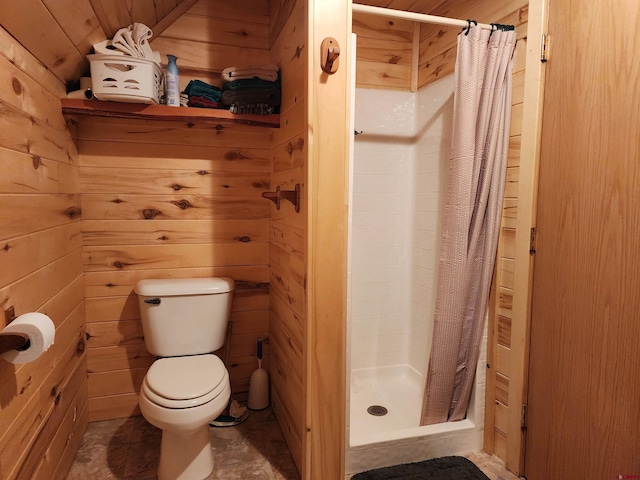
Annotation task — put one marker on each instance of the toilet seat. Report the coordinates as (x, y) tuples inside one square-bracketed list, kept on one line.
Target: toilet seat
[(185, 382)]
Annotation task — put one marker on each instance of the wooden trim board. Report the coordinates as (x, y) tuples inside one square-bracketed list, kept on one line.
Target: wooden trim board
[(329, 105), (527, 194)]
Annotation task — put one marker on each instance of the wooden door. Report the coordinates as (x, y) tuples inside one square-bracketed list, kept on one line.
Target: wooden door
[(584, 380)]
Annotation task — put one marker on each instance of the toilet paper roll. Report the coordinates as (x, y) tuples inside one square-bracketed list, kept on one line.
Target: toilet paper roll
[(81, 94), (38, 328)]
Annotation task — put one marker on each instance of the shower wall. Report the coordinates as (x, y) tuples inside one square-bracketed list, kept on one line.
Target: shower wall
[(381, 209), (398, 177), (433, 134), (399, 170)]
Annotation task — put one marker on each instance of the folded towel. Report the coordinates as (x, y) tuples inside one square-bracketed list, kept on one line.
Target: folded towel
[(202, 89), (131, 43), (122, 41), (251, 83), (106, 47), (202, 102), (134, 41), (254, 108), (268, 72), (141, 35), (268, 96)]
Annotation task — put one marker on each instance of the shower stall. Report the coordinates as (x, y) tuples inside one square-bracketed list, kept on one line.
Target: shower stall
[(401, 146)]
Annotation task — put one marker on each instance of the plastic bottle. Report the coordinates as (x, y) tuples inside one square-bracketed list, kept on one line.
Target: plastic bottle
[(173, 82)]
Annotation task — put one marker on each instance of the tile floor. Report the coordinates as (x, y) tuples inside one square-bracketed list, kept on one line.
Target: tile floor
[(492, 466), (127, 449)]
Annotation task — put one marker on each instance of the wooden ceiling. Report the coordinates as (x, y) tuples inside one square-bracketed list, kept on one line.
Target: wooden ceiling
[(60, 33)]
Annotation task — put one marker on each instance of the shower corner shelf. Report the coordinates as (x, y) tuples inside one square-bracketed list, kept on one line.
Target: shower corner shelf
[(74, 108)]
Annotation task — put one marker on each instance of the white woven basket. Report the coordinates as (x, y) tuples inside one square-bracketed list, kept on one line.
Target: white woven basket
[(126, 79)]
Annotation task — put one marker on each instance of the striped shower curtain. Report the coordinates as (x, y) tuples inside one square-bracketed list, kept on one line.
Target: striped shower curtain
[(471, 222)]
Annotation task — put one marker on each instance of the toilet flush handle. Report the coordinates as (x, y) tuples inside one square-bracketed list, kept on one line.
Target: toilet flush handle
[(153, 301)]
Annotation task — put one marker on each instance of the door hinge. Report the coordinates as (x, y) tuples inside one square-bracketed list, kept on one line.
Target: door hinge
[(543, 48), (523, 417), (532, 241)]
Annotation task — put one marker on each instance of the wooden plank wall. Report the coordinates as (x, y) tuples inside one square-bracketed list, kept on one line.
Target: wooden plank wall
[(215, 34), (399, 54), (500, 309), (43, 411), (67, 29), (288, 229), (175, 200), (115, 15), (386, 47), (438, 44)]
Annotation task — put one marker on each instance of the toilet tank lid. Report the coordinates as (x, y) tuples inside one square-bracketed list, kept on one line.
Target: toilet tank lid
[(168, 287)]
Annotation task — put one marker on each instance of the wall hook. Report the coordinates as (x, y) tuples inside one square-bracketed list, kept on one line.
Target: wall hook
[(292, 196), (329, 53), (273, 196)]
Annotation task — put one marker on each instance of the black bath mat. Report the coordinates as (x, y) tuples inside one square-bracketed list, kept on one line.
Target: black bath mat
[(445, 468)]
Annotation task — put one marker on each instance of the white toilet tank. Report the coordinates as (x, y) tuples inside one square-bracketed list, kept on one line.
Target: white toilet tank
[(185, 316)]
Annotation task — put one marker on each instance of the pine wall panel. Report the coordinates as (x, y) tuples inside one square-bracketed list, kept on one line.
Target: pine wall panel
[(438, 43), (42, 403), (67, 29), (400, 54), (288, 229), (171, 200), (384, 52), (213, 35), (500, 311), (169, 215)]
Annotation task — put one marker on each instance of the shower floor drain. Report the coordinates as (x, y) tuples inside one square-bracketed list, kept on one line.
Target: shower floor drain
[(377, 410)]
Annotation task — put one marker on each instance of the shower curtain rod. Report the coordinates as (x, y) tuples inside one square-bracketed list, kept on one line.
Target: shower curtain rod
[(416, 17)]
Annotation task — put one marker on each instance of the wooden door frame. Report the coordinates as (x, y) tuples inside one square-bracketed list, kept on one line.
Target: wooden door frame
[(328, 207), (526, 221), (326, 282)]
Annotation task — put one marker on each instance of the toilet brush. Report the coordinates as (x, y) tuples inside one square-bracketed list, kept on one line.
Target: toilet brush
[(258, 398)]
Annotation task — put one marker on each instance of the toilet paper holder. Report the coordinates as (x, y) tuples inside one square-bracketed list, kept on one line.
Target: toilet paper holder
[(12, 341)]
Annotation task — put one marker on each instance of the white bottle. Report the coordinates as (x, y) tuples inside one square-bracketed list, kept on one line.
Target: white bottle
[(173, 82)]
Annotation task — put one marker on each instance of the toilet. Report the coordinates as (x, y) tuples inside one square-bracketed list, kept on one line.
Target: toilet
[(183, 321)]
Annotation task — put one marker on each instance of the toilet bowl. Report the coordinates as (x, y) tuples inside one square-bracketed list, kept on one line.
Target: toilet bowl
[(180, 395), (183, 321)]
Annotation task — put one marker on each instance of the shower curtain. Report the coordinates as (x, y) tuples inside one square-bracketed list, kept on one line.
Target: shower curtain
[(471, 222)]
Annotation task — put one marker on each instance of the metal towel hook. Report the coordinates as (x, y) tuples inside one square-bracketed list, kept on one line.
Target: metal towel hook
[(292, 196)]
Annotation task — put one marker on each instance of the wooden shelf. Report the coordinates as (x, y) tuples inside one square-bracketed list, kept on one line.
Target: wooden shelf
[(196, 116)]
